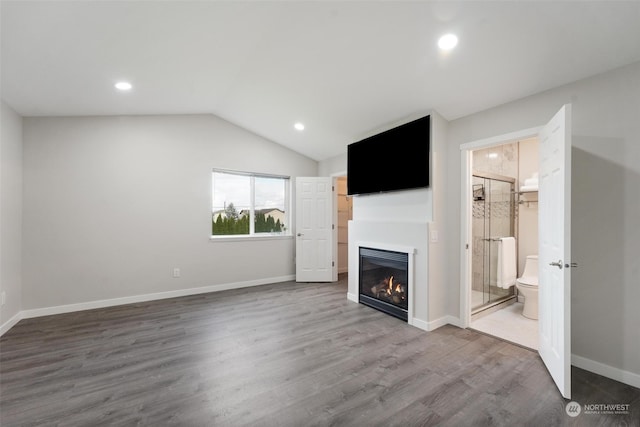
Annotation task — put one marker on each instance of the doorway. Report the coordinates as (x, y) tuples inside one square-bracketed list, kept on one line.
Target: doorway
[(503, 221), (344, 213)]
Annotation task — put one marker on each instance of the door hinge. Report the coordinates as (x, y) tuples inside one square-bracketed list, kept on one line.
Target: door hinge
[(333, 263), (333, 226)]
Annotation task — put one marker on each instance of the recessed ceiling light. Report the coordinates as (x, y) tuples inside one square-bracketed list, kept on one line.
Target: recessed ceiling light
[(492, 155), (448, 41), (299, 126), (123, 86)]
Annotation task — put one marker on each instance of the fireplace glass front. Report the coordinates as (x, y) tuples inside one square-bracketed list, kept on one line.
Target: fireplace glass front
[(384, 281)]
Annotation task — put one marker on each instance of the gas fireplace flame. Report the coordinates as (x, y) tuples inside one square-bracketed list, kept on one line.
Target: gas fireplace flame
[(389, 290), (393, 288)]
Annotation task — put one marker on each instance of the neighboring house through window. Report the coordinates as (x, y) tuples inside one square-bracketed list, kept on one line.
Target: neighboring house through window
[(246, 203)]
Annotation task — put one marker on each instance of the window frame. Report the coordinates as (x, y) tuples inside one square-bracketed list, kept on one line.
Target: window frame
[(252, 234)]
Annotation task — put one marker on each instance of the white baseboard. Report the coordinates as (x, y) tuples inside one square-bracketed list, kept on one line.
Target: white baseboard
[(455, 321), (68, 308), (352, 297), (10, 323), (435, 324), (419, 323), (444, 320), (617, 374)]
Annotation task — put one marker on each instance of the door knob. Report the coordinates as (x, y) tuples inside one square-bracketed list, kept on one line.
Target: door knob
[(572, 265), (299, 234), (557, 264)]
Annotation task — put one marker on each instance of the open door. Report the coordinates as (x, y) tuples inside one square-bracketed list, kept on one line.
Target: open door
[(555, 249), (314, 230)]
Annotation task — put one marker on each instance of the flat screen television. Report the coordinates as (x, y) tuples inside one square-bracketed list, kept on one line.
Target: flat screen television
[(393, 160)]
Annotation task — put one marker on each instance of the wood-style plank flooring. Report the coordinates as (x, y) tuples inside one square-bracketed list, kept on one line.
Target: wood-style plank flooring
[(286, 354)]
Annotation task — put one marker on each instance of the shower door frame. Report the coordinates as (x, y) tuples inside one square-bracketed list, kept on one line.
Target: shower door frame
[(491, 239)]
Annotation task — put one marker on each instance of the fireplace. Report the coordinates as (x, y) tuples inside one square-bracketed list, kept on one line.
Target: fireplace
[(383, 281)]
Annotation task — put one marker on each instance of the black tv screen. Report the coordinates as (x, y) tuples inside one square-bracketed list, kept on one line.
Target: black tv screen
[(397, 159)]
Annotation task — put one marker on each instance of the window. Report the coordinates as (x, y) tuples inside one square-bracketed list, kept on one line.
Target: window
[(249, 204)]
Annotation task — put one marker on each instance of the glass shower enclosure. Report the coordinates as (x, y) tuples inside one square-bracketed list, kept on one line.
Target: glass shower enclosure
[(493, 217)]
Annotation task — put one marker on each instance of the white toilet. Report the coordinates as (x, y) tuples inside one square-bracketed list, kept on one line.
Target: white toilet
[(527, 285)]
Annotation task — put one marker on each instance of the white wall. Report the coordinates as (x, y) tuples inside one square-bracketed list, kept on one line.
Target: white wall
[(334, 166), (438, 237), (113, 204), (10, 215), (605, 207)]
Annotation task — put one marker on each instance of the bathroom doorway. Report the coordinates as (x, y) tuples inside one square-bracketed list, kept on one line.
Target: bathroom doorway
[(502, 218)]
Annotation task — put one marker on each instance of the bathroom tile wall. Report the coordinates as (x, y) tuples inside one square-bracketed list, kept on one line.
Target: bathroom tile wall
[(501, 160)]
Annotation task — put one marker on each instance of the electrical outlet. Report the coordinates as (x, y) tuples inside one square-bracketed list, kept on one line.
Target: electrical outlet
[(3, 297), (176, 272)]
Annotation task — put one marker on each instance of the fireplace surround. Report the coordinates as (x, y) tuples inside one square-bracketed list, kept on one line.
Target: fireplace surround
[(384, 281)]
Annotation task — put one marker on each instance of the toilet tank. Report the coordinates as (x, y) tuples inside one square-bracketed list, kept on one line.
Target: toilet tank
[(530, 266)]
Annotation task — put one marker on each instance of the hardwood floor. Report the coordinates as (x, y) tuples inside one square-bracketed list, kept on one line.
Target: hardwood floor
[(286, 354)]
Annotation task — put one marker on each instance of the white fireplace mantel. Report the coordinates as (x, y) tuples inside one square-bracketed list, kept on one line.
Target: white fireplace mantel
[(405, 237)]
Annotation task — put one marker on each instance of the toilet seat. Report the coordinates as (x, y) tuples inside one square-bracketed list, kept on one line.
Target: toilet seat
[(528, 281)]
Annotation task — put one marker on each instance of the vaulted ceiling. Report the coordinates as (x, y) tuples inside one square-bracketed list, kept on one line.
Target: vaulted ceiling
[(343, 68)]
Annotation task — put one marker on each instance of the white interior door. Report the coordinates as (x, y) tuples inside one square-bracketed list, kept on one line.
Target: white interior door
[(554, 291), (314, 230)]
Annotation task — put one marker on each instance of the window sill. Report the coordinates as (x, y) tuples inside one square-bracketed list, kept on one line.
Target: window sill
[(250, 238)]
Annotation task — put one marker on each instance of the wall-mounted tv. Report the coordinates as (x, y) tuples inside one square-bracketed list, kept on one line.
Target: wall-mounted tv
[(393, 160)]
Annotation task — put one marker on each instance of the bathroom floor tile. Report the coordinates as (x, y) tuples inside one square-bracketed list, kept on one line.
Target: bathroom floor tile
[(509, 324)]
